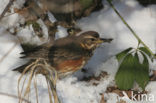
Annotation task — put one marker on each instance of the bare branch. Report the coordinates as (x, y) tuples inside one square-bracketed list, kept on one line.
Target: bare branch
[(6, 9), (14, 96), (5, 55)]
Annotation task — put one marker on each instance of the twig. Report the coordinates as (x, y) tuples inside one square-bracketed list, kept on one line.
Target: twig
[(14, 96), (9, 51), (35, 86), (6, 9), (132, 31)]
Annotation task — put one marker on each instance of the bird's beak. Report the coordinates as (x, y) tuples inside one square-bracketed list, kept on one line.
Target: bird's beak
[(102, 40)]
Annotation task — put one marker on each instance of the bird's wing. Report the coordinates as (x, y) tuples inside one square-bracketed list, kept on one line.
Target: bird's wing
[(37, 52), (60, 54)]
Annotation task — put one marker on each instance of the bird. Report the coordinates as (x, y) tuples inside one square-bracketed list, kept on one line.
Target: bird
[(68, 54)]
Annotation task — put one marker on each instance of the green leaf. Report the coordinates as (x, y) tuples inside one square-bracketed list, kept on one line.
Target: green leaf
[(143, 49), (122, 54), (141, 71), (125, 75)]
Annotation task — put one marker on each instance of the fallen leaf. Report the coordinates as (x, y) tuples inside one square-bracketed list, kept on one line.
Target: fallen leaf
[(97, 78), (102, 99), (121, 101), (128, 92), (153, 76)]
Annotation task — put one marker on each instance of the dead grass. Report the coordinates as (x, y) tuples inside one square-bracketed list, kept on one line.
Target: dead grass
[(40, 66)]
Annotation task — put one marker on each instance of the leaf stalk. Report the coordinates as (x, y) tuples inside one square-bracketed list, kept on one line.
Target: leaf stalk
[(132, 31)]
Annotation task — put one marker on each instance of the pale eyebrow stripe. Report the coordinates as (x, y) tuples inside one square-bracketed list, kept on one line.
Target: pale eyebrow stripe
[(88, 36)]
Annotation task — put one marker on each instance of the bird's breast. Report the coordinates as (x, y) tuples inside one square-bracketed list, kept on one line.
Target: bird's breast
[(70, 66)]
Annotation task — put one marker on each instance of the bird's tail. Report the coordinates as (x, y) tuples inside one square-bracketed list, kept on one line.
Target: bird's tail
[(21, 68)]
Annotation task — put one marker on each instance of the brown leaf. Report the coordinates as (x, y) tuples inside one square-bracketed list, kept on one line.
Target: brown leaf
[(121, 101), (128, 92), (114, 90), (102, 99), (98, 78), (153, 77), (20, 11)]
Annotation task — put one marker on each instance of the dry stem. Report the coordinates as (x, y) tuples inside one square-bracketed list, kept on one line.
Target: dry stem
[(50, 74)]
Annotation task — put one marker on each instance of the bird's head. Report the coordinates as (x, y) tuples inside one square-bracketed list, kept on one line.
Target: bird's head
[(90, 40)]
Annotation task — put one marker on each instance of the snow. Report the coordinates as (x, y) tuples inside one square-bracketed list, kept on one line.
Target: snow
[(3, 4), (27, 34), (71, 89), (62, 32)]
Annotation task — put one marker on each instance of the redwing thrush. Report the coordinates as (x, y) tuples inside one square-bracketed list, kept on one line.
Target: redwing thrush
[(67, 54)]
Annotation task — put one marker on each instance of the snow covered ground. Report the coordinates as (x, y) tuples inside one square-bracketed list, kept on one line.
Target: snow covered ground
[(71, 89)]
